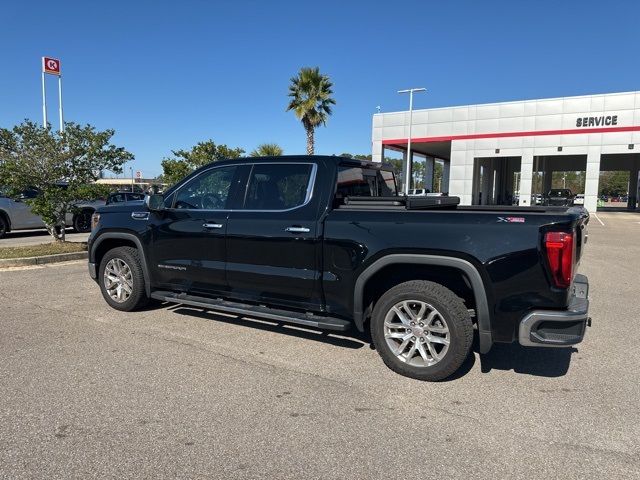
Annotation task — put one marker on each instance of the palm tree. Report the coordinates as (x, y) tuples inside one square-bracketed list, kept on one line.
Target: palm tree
[(311, 101), (267, 150)]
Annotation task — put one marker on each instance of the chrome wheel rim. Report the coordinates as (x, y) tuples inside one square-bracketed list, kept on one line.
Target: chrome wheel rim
[(118, 280), (417, 333)]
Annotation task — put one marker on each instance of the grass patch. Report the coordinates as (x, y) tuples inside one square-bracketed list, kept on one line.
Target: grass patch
[(42, 250)]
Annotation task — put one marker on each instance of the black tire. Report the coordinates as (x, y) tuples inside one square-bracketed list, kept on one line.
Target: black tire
[(452, 310), (82, 221), (138, 297), (4, 227)]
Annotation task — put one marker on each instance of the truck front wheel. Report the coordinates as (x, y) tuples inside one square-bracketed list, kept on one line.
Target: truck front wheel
[(4, 227), (82, 221), (121, 279), (422, 330)]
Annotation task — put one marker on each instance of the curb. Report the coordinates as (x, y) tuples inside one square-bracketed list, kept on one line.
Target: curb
[(60, 257)]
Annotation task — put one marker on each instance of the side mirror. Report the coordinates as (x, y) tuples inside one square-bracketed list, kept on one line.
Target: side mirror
[(154, 202)]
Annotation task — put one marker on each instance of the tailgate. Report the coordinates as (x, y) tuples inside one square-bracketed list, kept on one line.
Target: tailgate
[(582, 233)]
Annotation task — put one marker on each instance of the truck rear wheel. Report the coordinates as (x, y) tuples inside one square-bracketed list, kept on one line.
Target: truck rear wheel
[(121, 279), (422, 330)]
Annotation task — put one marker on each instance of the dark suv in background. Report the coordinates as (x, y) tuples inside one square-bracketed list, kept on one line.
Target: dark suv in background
[(560, 197)]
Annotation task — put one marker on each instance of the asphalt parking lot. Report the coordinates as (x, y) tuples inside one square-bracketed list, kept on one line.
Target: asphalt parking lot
[(176, 392)]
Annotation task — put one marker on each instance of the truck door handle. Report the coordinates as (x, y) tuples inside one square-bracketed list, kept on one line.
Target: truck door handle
[(296, 229), (212, 225)]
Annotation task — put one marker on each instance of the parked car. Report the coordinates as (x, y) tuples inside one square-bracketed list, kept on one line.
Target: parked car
[(327, 242), (419, 192), (579, 199), (559, 197), (123, 197), (15, 214)]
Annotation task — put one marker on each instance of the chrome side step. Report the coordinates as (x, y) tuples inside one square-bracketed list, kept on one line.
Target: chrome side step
[(258, 311)]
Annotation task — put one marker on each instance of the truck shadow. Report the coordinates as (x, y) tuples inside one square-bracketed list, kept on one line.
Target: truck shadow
[(542, 362), (537, 361), (344, 340)]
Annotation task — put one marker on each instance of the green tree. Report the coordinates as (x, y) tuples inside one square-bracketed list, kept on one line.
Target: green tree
[(60, 166), (311, 101), (267, 150), (186, 161), (614, 184), (574, 181)]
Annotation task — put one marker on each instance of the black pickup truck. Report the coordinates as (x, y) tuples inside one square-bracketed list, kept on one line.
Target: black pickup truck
[(327, 242)]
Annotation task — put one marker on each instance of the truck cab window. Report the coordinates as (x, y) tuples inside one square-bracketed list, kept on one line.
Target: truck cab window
[(208, 191), (278, 186), (365, 182)]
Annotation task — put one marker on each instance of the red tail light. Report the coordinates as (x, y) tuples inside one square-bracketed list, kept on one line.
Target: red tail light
[(560, 254)]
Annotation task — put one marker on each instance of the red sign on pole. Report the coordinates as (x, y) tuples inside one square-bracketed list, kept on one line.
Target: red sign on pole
[(51, 65)]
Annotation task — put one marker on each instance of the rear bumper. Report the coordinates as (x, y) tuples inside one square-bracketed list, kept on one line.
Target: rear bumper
[(558, 328)]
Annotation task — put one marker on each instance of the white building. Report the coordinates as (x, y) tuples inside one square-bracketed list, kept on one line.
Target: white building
[(492, 152)]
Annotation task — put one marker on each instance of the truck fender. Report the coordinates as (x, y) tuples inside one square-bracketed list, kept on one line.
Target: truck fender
[(124, 236), (482, 305)]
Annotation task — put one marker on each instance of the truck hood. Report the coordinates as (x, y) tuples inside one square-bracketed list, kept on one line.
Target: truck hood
[(133, 206)]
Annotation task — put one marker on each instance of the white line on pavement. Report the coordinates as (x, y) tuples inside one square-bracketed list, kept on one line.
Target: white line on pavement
[(598, 218)]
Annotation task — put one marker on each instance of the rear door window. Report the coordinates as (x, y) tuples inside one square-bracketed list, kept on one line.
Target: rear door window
[(279, 186)]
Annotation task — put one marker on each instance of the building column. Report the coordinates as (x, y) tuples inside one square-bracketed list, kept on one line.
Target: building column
[(457, 179), (592, 177), (446, 166), (428, 172), (377, 151), (633, 188), (526, 178)]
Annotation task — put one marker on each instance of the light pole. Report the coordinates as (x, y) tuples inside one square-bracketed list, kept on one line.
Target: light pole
[(409, 166)]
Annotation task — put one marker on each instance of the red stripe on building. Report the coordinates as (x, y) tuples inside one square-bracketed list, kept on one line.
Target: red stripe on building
[(475, 136)]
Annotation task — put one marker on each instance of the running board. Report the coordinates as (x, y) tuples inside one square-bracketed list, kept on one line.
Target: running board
[(299, 318)]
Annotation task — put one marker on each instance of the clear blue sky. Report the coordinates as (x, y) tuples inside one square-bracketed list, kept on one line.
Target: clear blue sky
[(166, 75)]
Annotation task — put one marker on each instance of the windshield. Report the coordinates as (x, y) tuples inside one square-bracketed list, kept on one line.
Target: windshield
[(560, 193)]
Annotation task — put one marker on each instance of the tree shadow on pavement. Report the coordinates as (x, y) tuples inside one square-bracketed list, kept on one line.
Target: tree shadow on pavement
[(346, 340)]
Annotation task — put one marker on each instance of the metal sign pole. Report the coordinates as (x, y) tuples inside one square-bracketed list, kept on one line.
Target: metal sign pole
[(44, 102), (60, 100), (409, 165)]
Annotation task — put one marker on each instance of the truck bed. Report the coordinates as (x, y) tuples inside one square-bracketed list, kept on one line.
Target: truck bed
[(441, 203)]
